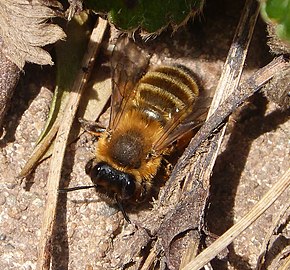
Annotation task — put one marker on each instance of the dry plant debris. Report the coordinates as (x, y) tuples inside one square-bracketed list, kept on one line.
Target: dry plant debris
[(62, 136), (24, 31), (84, 224)]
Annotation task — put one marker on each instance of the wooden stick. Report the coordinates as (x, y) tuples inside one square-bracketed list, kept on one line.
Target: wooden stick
[(43, 262), (247, 89), (227, 86)]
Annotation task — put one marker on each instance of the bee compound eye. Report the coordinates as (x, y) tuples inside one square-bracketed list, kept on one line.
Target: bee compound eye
[(89, 166), (96, 172), (128, 187)]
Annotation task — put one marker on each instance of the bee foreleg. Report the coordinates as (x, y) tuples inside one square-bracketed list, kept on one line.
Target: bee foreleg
[(92, 127), (168, 166)]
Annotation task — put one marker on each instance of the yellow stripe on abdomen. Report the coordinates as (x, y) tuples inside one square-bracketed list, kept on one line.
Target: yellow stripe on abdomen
[(164, 91)]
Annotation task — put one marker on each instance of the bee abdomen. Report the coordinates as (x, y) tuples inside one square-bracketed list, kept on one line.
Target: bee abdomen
[(164, 91)]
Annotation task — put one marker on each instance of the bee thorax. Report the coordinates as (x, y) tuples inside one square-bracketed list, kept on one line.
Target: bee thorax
[(128, 149)]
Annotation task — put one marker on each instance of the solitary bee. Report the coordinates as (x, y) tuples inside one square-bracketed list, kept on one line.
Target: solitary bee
[(148, 113)]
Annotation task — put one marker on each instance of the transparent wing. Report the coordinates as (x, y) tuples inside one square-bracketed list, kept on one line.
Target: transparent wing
[(182, 122), (128, 64)]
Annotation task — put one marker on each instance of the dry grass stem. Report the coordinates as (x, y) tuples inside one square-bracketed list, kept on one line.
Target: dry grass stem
[(60, 146), (39, 150), (223, 241)]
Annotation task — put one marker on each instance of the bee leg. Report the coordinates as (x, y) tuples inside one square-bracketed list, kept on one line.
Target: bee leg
[(92, 127), (121, 207), (168, 166)]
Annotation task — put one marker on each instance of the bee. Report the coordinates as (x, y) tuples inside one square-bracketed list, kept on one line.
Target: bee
[(149, 112)]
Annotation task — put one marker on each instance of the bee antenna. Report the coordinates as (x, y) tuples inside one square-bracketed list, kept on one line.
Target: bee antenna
[(121, 207), (64, 190)]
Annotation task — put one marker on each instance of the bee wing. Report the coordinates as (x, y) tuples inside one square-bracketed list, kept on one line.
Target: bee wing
[(182, 122), (128, 64)]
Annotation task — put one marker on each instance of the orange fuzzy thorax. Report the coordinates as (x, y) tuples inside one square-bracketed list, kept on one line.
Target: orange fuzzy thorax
[(145, 133)]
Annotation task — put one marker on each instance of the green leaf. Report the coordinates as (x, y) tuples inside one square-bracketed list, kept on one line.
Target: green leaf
[(150, 16), (278, 13)]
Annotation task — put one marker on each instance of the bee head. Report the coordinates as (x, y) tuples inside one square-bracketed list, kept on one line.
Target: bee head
[(111, 180)]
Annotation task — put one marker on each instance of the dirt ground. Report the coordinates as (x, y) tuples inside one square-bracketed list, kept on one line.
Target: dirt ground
[(253, 156)]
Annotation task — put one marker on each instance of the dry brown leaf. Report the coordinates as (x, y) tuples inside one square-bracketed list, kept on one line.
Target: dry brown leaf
[(24, 31)]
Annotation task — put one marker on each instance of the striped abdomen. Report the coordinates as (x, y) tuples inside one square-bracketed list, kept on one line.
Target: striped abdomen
[(164, 91)]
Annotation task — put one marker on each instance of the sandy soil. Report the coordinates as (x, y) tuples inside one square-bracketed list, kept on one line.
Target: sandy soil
[(254, 155)]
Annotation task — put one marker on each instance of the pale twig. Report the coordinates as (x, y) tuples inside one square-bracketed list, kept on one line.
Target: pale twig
[(60, 145), (223, 241)]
